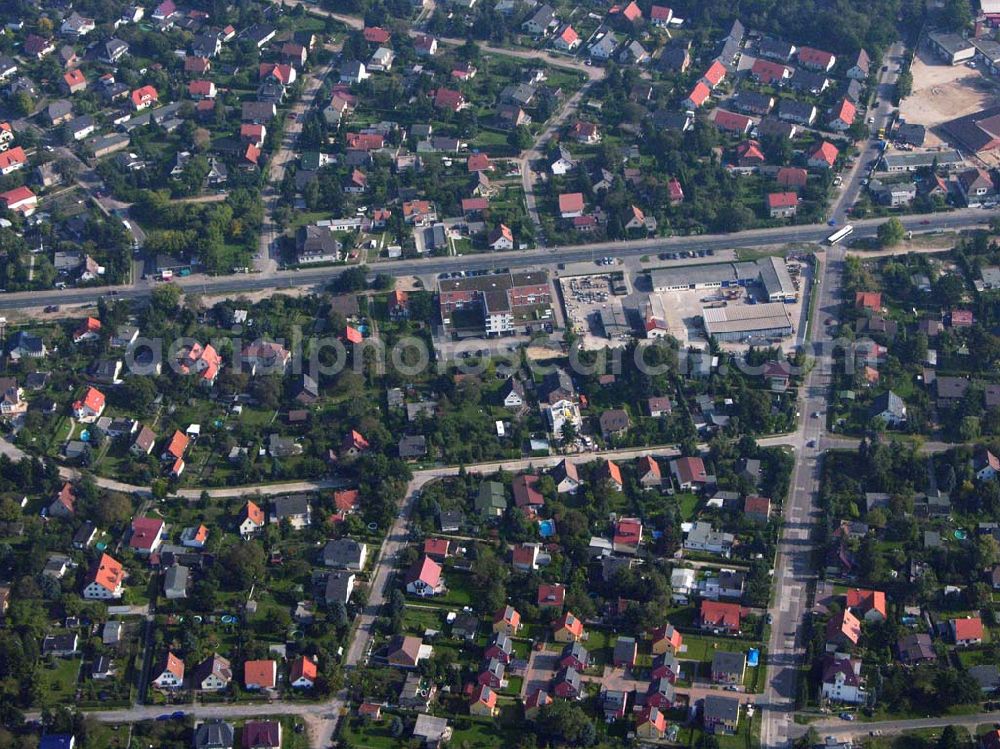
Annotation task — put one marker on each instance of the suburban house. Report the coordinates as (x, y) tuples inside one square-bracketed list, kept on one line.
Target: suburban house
[(168, 672), (424, 578)]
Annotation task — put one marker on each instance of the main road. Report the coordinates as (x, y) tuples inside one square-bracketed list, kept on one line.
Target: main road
[(966, 218), (794, 565)]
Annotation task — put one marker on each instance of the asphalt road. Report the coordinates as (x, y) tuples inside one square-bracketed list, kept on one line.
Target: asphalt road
[(240, 283), (843, 729)]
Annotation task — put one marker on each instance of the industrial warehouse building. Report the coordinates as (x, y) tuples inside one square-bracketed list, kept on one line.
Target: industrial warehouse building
[(739, 322), (769, 272)]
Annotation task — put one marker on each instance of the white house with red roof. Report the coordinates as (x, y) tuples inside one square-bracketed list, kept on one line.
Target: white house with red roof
[(104, 579), (12, 159), (627, 536), (144, 98), (146, 535), (566, 39), (661, 15), (21, 200), (782, 204), (816, 59), (689, 472), (843, 115), (89, 408), (824, 156), (169, 672), (424, 578)]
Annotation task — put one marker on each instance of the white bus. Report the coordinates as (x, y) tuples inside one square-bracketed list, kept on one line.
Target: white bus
[(840, 234)]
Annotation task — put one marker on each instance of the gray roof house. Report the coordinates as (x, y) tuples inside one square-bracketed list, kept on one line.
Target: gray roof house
[(294, 508), (345, 553), (175, 581), (214, 734), (890, 408)]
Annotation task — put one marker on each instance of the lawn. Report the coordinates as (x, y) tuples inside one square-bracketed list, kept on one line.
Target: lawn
[(701, 648), (687, 503), (59, 681), (417, 620)]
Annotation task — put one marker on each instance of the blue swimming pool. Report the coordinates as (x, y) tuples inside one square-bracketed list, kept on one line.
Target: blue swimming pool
[(546, 528), (753, 657), (85, 436)]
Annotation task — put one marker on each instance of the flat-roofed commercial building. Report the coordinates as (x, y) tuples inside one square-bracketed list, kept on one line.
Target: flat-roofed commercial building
[(770, 272), (739, 322)]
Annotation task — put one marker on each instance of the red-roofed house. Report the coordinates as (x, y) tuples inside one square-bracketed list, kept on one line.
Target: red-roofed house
[(666, 639), (699, 94), (660, 15), (144, 98), (715, 615), (792, 176), (104, 579), (824, 156), (261, 674), (283, 73), (843, 115), (437, 548), (448, 100), (567, 628), (89, 408), (732, 122), (609, 471), (749, 154), (354, 443), (769, 73), (12, 160), (89, 330), (527, 497), (689, 472), (630, 12), (868, 300), (197, 65), (201, 360), (261, 734), (64, 505), (757, 508), (201, 89), (567, 39), (175, 448), (628, 535), (169, 672), (968, 631), (474, 206), (571, 204), (675, 192), (479, 162), (303, 673), (254, 134), (715, 74), (551, 595), (483, 701), (74, 81), (506, 620), (843, 631), (650, 475), (364, 141), (651, 724), (501, 238), (961, 318), (147, 535), (816, 59), (376, 35), (782, 204), (585, 132), (869, 604), (424, 578), (20, 199)]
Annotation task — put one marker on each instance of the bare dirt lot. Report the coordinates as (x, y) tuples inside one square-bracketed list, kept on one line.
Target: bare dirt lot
[(943, 92)]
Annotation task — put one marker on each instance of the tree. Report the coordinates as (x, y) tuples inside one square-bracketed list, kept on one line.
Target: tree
[(165, 298), (891, 233), (957, 14), (519, 138), (904, 84)]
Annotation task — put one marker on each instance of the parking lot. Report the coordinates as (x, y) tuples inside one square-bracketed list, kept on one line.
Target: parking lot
[(593, 305)]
